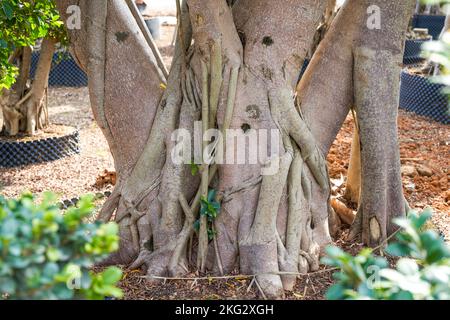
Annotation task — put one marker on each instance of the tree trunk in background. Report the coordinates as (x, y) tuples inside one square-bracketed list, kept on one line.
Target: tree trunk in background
[(25, 65), (376, 104), (240, 73), (353, 185), (353, 57), (24, 110)]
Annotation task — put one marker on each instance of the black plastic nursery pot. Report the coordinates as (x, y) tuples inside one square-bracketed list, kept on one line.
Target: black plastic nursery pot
[(419, 95), (434, 23), (413, 51), (22, 153)]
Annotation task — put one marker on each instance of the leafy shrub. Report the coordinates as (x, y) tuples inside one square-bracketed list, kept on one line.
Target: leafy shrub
[(22, 23), (47, 255), (422, 273)]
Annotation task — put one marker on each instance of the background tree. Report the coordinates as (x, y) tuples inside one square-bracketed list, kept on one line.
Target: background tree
[(22, 23), (236, 66)]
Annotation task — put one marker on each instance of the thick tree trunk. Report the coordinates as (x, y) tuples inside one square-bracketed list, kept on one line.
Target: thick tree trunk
[(240, 73), (377, 108), (365, 56), (24, 110)]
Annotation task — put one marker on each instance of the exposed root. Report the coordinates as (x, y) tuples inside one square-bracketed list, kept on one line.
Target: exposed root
[(353, 186), (259, 249), (294, 222), (345, 214), (12, 119), (146, 177), (110, 206), (183, 238), (23, 100)]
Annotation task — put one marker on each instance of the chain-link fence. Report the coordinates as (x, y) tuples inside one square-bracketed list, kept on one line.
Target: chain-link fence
[(433, 23), (64, 72), (419, 95)]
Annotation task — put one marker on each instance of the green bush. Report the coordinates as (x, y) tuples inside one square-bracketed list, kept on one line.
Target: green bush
[(22, 23), (422, 272), (45, 254)]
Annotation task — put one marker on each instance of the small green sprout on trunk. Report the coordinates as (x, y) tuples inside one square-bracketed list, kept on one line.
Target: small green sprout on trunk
[(211, 209)]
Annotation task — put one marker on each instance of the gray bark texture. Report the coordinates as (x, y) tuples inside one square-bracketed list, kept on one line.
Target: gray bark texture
[(236, 67), (23, 106)]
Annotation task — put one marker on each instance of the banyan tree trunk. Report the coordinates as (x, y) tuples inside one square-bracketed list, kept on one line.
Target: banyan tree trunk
[(239, 76), (24, 110)]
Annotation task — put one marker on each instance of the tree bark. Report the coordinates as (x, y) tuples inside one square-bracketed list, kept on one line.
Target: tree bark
[(25, 66), (353, 185), (343, 59), (24, 110), (240, 73)]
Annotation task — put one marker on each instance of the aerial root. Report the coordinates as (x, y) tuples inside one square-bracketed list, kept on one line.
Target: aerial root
[(204, 185), (258, 251), (216, 66), (212, 80), (110, 206), (290, 121), (135, 215), (171, 257), (143, 257), (183, 237), (289, 256)]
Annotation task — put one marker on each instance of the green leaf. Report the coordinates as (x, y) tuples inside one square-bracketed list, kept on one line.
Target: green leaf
[(335, 292), (211, 195), (50, 271), (195, 168), (403, 295), (407, 266), (334, 252), (398, 249), (53, 254), (7, 285), (8, 10), (422, 219), (111, 275), (197, 225)]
